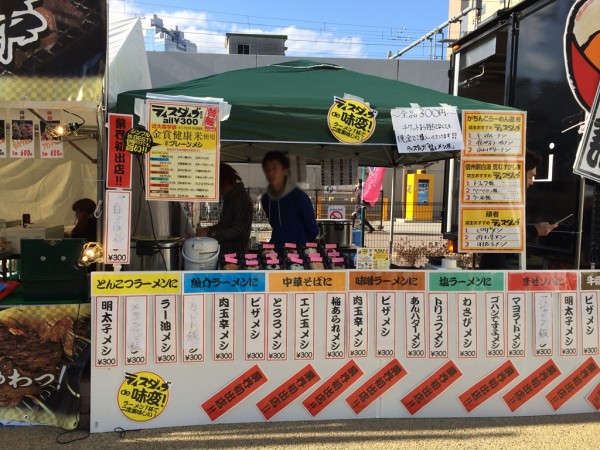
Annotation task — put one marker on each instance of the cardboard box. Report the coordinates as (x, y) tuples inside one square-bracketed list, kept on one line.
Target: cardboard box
[(13, 235)]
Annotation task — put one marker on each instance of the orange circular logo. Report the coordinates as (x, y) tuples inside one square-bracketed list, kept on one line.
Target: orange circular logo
[(582, 51)]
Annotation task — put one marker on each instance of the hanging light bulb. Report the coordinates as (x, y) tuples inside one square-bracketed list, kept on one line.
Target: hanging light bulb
[(92, 252), (63, 129)]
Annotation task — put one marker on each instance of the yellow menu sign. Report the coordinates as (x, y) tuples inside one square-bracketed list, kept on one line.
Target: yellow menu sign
[(493, 133), (492, 229), (125, 283), (492, 181)]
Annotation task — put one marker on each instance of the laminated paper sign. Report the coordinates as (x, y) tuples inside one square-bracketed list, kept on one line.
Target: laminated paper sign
[(182, 164), (116, 233), (423, 130)]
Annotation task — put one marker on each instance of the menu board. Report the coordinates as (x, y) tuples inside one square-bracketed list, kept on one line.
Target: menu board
[(492, 229), (182, 164), (50, 147), (493, 133), (491, 181), (21, 139), (492, 193)]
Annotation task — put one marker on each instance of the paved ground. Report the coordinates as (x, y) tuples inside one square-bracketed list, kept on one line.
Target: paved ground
[(579, 431)]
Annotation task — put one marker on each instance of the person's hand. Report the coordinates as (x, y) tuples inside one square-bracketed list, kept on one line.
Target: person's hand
[(544, 228)]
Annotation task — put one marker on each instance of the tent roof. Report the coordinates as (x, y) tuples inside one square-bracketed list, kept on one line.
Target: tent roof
[(284, 106), (126, 59)]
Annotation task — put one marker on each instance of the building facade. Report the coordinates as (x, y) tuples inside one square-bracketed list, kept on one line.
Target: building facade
[(157, 38)]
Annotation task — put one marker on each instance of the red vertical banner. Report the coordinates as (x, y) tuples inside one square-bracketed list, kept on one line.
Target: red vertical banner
[(118, 160)]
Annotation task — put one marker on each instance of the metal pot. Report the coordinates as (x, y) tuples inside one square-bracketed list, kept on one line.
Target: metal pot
[(164, 253), (335, 232)]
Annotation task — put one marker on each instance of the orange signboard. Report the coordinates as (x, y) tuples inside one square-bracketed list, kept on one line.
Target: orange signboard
[(386, 280), (310, 281)]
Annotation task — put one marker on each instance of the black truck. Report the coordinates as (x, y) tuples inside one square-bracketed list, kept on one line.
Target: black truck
[(516, 58)]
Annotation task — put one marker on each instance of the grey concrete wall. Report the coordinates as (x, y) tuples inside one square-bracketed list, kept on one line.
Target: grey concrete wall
[(174, 67)]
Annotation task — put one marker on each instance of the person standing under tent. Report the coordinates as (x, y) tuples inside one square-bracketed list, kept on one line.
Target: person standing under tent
[(235, 221), (358, 206), (288, 208)]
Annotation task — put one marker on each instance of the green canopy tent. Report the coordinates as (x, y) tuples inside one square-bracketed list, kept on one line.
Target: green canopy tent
[(284, 106)]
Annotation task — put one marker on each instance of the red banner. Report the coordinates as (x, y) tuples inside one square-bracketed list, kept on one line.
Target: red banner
[(432, 387), (594, 397), (288, 391), (118, 160), (333, 387), (489, 386), (531, 386), (542, 281), (376, 386), (234, 393), (571, 385)]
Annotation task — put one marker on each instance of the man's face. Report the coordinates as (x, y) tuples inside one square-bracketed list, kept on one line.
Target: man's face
[(530, 176), (275, 173)]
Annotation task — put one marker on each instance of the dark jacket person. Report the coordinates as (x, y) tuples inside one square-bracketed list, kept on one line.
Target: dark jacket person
[(86, 222), (235, 223), (289, 209)]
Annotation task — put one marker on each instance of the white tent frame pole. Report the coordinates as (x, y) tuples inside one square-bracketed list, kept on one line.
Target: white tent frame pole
[(392, 202)]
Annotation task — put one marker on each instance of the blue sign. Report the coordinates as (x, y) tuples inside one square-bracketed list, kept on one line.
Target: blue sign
[(234, 281)]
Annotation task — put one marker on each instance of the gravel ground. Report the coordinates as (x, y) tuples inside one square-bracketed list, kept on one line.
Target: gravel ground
[(577, 431)]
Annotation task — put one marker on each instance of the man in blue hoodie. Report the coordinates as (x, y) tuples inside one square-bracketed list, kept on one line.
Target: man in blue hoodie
[(289, 209)]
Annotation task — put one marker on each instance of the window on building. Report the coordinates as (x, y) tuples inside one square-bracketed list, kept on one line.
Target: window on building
[(243, 49)]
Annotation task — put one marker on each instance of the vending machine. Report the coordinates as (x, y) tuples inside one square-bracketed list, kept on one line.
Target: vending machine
[(419, 196)]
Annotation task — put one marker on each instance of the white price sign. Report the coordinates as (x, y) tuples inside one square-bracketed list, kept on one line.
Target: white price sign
[(116, 231), (427, 129)]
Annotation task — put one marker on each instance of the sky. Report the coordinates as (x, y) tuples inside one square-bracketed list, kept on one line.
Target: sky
[(315, 28)]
